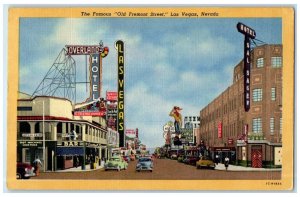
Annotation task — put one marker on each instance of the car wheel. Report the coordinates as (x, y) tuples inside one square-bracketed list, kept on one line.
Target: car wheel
[(198, 167), (151, 170), (19, 176)]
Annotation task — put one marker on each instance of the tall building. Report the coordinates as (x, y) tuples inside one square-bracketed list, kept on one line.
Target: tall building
[(250, 138)]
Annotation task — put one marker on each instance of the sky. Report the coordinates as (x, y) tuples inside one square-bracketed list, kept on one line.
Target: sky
[(184, 62)]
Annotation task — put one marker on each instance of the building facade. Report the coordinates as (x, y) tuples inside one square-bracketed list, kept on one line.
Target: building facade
[(48, 130), (250, 138)]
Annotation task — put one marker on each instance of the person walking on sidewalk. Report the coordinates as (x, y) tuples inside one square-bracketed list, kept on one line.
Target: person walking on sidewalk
[(37, 164), (217, 159), (226, 162)]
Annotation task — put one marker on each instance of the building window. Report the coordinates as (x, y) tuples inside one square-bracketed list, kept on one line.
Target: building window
[(257, 94), (24, 108), (280, 126), (256, 125), (273, 94), (271, 126), (260, 62), (276, 62)]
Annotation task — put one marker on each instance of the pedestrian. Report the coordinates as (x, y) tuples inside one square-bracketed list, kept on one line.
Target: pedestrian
[(76, 160), (37, 164), (217, 159), (226, 162)]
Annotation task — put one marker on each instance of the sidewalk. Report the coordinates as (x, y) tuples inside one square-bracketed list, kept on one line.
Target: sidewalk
[(78, 169), (221, 166)]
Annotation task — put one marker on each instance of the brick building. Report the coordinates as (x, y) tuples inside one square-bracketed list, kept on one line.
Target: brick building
[(250, 138)]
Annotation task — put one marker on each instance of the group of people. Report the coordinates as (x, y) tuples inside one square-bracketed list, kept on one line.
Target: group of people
[(226, 161)]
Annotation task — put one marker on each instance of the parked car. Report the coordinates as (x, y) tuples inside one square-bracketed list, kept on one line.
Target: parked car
[(116, 163), (191, 160), (180, 158), (144, 163), (174, 156), (25, 171), (205, 162)]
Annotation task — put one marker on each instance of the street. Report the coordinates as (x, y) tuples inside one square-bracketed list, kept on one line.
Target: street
[(164, 169)]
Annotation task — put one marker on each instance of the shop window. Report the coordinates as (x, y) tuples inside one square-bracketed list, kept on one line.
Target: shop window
[(257, 94), (276, 62), (260, 62)]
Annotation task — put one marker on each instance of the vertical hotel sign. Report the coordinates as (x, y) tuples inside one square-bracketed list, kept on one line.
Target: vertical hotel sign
[(220, 130), (249, 33), (120, 119)]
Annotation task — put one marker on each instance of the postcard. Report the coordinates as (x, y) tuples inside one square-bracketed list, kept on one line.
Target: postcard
[(150, 98)]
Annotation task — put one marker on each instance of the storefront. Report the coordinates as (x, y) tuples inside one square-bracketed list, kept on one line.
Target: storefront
[(223, 152), (259, 154), (29, 150)]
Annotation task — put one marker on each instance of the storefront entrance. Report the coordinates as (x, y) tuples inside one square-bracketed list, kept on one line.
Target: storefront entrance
[(256, 156)]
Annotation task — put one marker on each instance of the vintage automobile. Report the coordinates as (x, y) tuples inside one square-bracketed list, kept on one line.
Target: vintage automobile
[(116, 163), (205, 162), (144, 163), (191, 160), (126, 158), (180, 158), (25, 171)]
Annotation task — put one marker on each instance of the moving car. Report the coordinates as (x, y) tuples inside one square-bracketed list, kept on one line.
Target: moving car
[(116, 163), (205, 162), (25, 171), (126, 158), (144, 163)]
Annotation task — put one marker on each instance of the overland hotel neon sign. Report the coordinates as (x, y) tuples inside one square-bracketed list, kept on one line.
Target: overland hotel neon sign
[(93, 106)]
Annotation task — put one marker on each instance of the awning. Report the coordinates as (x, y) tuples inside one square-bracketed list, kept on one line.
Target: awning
[(62, 151)]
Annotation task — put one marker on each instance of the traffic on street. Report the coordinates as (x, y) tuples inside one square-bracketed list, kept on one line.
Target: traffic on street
[(163, 169)]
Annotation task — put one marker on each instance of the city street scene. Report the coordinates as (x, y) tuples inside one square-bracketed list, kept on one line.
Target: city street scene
[(148, 99)]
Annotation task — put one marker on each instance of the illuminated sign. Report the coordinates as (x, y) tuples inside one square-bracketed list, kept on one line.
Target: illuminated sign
[(32, 135), (94, 106), (230, 141), (83, 49), (120, 119), (220, 130), (111, 96), (246, 132), (95, 76), (187, 135), (70, 143), (130, 133), (247, 74), (249, 33)]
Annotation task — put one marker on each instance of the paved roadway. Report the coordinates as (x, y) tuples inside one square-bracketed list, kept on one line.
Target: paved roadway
[(164, 169)]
